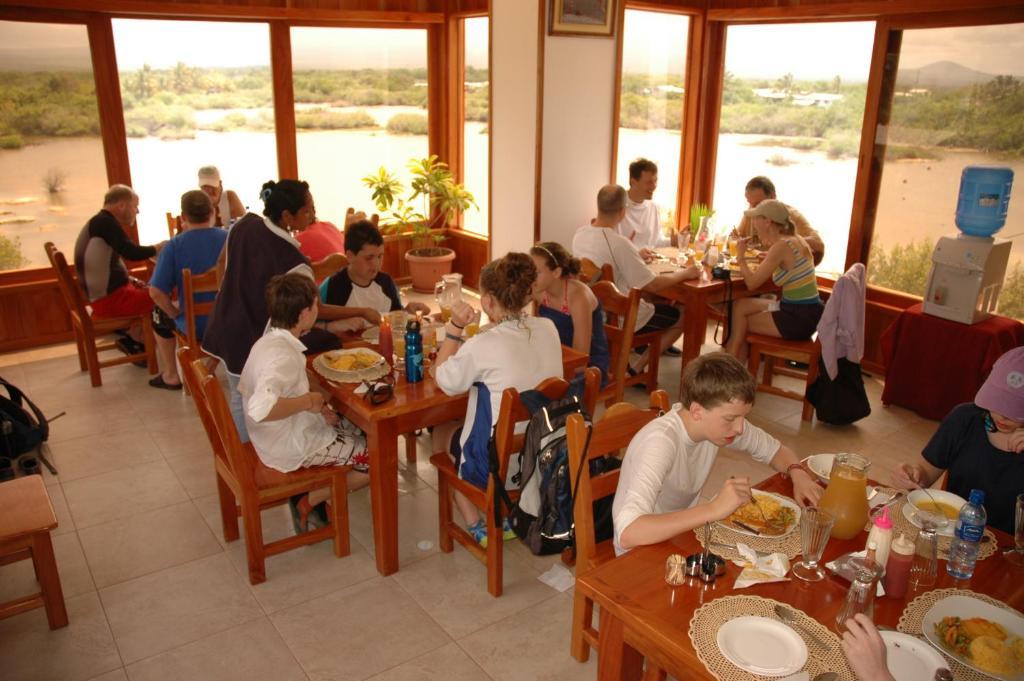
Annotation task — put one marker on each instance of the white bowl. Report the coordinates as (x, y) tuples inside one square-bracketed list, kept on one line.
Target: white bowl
[(821, 465), (911, 513), (966, 607)]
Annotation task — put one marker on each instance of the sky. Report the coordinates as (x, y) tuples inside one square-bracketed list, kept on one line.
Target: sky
[(654, 40)]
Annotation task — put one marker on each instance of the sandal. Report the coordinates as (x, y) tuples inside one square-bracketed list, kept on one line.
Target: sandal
[(159, 382), (306, 517)]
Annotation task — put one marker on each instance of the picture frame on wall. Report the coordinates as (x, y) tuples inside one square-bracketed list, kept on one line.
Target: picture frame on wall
[(582, 17)]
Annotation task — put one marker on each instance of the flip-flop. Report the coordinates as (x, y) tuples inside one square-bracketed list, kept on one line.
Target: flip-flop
[(158, 382)]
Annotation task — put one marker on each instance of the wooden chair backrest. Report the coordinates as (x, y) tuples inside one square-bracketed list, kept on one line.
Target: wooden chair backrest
[(614, 431), (73, 295), (620, 313), (174, 227), (590, 273), (237, 456), (512, 412), (191, 284), (374, 218), (328, 266), (188, 358)]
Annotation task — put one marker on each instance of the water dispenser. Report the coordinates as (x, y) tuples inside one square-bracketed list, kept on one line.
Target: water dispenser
[(968, 269)]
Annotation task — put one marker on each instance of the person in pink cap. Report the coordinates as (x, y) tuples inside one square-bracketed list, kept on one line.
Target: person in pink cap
[(980, 444)]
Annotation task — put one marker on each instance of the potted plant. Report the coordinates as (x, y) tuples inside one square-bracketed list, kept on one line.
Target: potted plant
[(440, 200)]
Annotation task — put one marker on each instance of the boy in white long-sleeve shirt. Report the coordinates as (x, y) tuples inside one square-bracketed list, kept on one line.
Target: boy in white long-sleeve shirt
[(669, 460)]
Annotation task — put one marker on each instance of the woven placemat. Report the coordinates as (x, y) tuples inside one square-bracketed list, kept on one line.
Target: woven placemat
[(913, 616), (986, 549), (788, 544), (708, 618)]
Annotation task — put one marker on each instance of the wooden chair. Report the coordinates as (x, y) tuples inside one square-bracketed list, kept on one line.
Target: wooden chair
[(373, 217), (89, 331), (590, 273), (603, 289), (328, 266), (620, 320), (608, 435), (174, 227), (207, 282), (243, 479), (774, 349), (507, 442), (26, 519)]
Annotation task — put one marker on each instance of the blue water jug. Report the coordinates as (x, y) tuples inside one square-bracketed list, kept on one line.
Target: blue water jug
[(984, 199)]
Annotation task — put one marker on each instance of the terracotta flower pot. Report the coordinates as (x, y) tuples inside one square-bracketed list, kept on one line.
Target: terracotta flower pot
[(426, 270)]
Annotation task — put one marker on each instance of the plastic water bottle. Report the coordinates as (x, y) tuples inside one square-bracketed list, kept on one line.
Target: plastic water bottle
[(413, 351), (970, 527)]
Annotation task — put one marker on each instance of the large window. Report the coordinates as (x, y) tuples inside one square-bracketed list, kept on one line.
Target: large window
[(195, 94), (475, 130), (958, 100), (651, 100), (52, 176), (792, 110), (360, 103)]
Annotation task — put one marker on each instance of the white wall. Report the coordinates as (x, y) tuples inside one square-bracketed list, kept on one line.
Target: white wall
[(513, 125), (579, 89)]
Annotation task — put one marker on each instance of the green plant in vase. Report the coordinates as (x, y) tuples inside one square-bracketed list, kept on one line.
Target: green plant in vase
[(697, 212)]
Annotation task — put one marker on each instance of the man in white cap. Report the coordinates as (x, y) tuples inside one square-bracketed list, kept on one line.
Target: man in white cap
[(227, 207)]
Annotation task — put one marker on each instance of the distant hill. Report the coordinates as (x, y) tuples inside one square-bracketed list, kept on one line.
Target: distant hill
[(942, 74), (45, 59)]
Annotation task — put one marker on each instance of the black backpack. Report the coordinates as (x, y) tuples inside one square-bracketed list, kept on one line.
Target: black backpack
[(543, 516), (23, 427), (842, 400)]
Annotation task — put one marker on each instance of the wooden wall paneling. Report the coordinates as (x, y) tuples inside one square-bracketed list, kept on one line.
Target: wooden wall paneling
[(401, 12), (284, 99), (451, 101), (620, 22), (32, 315), (877, 110), (490, 117), (691, 118), (471, 254), (762, 10), (712, 73)]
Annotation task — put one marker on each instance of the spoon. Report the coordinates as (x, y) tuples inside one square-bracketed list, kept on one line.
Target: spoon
[(789, 617)]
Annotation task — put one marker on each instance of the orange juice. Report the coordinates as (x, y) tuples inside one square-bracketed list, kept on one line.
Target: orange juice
[(846, 495), (472, 328), (699, 255), (446, 314)]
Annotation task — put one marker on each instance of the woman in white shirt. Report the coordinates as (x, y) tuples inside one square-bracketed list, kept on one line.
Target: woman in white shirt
[(519, 351)]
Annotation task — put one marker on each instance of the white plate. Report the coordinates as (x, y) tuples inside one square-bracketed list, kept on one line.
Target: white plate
[(785, 501), (762, 646), (909, 510), (376, 370), (966, 607), (821, 465), (909, 658)]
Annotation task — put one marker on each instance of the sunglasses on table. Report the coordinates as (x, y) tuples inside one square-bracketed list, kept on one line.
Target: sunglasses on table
[(379, 391)]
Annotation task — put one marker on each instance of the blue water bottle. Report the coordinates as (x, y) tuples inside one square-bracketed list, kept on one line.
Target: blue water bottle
[(970, 527), (413, 351)]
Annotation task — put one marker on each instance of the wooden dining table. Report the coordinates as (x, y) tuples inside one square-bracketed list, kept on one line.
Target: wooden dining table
[(636, 603), (412, 407)]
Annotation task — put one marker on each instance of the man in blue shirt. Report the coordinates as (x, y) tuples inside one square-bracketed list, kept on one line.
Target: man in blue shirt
[(198, 247)]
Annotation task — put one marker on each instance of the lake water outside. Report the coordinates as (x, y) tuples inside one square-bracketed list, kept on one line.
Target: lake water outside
[(918, 198)]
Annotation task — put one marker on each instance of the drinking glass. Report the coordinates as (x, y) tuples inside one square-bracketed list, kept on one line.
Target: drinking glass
[(926, 558), (815, 528), (1016, 555), (861, 596)]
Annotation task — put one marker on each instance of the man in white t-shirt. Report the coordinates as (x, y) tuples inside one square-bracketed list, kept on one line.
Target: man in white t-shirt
[(642, 222), (669, 460), (601, 244)]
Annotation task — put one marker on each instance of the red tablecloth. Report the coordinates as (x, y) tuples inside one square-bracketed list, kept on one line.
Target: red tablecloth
[(933, 364)]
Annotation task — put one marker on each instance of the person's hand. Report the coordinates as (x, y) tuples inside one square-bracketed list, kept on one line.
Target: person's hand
[(647, 254), (371, 315), (741, 247), (1015, 441), (316, 402), (806, 490), (416, 306), (907, 476), (330, 416), (463, 313), (864, 649), (734, 493)]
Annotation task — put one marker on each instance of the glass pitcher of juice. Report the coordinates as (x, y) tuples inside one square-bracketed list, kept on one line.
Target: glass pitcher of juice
[(846, 495)]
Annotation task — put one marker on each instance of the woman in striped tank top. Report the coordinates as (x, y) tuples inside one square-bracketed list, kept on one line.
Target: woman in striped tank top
[(790, 264)]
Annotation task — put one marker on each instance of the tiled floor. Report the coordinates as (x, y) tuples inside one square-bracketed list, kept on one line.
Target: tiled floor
[(153, 593)]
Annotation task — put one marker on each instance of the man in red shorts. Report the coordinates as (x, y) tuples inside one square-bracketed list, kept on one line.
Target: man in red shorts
[(109, 289)]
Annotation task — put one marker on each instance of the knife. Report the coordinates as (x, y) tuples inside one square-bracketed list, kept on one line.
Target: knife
[(746, 527)]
